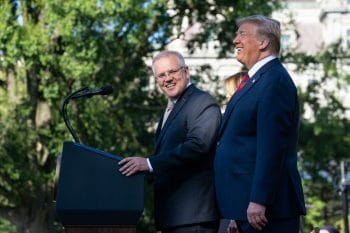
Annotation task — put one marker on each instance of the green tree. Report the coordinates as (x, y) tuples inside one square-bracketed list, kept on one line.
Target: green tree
[(48, 48), (324, 132)]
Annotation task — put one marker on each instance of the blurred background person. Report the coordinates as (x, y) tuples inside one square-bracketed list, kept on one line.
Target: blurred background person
[(232, 82)]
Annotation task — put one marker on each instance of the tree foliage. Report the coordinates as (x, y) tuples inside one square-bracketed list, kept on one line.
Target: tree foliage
[(49, 48), (324, 132)]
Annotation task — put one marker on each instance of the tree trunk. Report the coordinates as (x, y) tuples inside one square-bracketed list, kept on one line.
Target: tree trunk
[(40, 221), (32, 88)]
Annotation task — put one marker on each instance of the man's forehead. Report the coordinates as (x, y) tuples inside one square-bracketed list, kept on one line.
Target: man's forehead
[(246, 25), (166, 61)]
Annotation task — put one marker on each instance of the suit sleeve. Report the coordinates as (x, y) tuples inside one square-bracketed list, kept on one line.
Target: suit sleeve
[(201, 123), (275, 121)]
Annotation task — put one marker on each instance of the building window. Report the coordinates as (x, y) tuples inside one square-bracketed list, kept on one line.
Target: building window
[(348, 37)]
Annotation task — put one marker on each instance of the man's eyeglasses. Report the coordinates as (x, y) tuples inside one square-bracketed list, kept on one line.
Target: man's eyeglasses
[(173, 72)]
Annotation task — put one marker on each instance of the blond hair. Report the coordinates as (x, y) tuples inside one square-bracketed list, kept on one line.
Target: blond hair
[(232, 82)]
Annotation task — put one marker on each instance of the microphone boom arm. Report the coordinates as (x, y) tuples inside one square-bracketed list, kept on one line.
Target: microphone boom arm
[(65, 114), (82, 92)]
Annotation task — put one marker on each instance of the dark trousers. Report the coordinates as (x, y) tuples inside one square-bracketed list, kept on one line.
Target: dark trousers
[(205, 227), (288, 225)]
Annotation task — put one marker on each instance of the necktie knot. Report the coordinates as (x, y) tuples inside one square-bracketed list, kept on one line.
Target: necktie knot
[(167, 112), (170, 106), (243, 82), (245, 78)]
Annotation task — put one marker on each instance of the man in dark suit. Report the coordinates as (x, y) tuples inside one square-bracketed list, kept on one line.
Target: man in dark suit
[(256, 176), (182, 163)]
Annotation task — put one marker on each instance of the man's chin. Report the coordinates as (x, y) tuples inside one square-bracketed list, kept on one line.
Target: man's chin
[(241, 61), (239, 58), (172, 95), (168, 94)]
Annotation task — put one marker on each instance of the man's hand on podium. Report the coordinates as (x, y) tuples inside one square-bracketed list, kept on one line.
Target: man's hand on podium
[(131, 165)]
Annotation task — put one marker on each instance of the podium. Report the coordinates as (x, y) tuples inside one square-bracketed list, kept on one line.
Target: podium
[(93, 196)]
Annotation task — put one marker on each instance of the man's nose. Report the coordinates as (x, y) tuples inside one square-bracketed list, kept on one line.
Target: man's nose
[(235, 40), (168, 77)]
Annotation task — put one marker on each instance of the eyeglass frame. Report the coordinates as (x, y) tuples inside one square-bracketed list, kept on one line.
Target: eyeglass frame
[(170, 73)]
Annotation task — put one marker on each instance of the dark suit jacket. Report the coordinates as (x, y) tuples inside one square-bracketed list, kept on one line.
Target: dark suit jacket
[(183, 161), (256, 154)]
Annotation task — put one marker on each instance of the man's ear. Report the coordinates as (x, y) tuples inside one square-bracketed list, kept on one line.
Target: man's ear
[(264, 44), (187, 70)]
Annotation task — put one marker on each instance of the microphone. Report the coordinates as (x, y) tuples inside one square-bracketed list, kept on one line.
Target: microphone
[(89, 93)]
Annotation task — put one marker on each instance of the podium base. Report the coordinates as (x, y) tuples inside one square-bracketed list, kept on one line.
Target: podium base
[(99, 229)]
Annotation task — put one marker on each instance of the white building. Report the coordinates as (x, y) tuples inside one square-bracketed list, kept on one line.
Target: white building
[(319, 23)]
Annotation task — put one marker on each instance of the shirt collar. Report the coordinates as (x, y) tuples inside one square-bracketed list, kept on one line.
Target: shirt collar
[(260, 64)]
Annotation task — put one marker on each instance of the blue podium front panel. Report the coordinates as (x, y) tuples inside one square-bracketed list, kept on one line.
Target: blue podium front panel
[(91, 190)]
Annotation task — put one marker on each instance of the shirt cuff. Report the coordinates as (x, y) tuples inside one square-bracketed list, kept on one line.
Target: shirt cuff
[(150, 168)]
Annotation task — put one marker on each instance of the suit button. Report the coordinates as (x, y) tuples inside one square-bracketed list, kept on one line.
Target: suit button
[(218, 143)]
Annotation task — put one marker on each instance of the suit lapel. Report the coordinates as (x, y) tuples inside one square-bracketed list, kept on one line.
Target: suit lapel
[(177, 107), (239, 94), (159, 127), (233, 101)]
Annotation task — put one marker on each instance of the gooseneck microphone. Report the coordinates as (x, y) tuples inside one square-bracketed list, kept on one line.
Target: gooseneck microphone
[(89, 93), (81, 93)]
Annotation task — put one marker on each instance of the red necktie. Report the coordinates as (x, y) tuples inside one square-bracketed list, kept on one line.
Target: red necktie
[(244, 81)]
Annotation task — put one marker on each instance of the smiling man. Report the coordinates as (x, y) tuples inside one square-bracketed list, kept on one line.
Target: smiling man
[(182, 163), (256, 176)]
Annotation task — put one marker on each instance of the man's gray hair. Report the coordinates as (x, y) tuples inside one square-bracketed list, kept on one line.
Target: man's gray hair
[(268, 28), (168, 53)]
